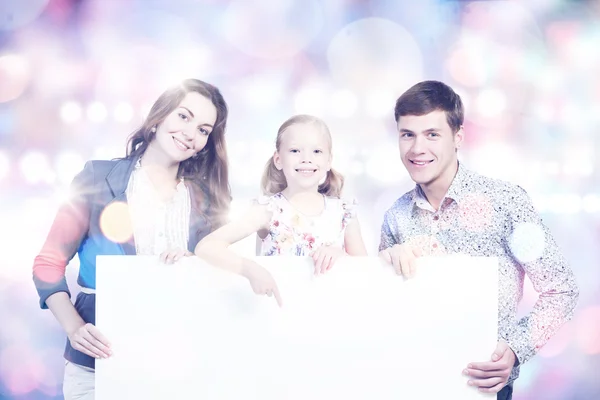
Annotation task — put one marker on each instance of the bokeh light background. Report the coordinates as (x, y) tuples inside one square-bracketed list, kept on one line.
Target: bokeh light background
[(76, 77)]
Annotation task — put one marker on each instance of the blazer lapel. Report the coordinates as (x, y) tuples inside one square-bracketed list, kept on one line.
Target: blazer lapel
[(117, 180)]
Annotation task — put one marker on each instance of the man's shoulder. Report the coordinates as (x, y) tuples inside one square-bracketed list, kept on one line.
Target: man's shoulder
[(493, 186), (402, 204)]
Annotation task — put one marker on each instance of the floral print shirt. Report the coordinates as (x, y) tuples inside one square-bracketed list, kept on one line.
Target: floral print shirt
[(292, 233)]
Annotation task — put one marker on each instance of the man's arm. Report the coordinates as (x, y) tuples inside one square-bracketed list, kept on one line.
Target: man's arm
[(532, 246), (389, 232)]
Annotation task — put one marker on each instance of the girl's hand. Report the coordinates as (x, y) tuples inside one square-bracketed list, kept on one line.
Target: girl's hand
[(325, 256), (261, 280), (88, 340), (171, 256)]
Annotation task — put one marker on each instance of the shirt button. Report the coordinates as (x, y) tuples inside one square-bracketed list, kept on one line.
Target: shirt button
[(436, 217), (160, 234), (434, 245)]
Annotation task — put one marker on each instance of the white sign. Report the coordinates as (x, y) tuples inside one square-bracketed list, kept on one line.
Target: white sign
[(192, 331)]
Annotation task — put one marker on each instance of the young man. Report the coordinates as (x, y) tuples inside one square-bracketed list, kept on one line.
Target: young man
[(454, 210)]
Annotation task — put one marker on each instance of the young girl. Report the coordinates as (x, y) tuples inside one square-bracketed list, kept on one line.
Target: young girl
[(302, 215), (162, 198)]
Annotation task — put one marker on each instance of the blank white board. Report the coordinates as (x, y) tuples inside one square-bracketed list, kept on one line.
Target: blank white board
[(191, 330)]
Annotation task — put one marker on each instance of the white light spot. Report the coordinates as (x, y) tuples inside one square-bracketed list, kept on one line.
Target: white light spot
[(123, 112), (309, 100), (108, 153), (527, 242), (550, 78), (145, 110), (552, 168), (343, 103), (591, 203), (380, 103), (68, 164), (263, 92), (491, 103), (96, 112), (70, 112), (35, 167), (357, 168), (384, 165)]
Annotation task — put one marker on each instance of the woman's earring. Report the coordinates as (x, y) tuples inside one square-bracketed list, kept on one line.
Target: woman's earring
[(153, 129)]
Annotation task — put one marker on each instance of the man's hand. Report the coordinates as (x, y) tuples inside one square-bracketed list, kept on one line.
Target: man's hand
[(492, 376), (402, 257)]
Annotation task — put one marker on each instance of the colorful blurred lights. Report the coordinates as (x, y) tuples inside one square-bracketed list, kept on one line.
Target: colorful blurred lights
[(491, 103), (4, 165), (14, 75), (35, 168), (115, 222), (588, 330), (20, 369), (375, 52), (466, 67)]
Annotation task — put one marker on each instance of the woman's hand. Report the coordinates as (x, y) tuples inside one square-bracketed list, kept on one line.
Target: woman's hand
[(88, 340), (174, 255)]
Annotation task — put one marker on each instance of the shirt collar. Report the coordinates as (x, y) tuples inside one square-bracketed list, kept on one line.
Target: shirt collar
[(458, 188)]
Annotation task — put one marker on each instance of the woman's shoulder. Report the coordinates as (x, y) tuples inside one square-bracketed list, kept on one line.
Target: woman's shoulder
[(101, 168)]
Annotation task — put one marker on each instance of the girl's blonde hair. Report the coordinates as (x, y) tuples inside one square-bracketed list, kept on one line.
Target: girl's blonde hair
[(273, 180)]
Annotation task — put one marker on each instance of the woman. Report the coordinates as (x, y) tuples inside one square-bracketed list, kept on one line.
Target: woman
[(169, 192)]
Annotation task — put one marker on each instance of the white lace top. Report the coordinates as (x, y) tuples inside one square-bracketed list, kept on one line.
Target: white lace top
[(157, 225)]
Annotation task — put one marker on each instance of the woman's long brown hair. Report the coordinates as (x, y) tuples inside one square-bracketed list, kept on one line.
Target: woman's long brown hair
[(210, 168)]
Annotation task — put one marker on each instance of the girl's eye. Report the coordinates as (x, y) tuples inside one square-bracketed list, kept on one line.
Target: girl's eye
[(183, 117), (204, 131)]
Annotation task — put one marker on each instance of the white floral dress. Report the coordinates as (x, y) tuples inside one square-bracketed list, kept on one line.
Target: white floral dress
[(292, 233)]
